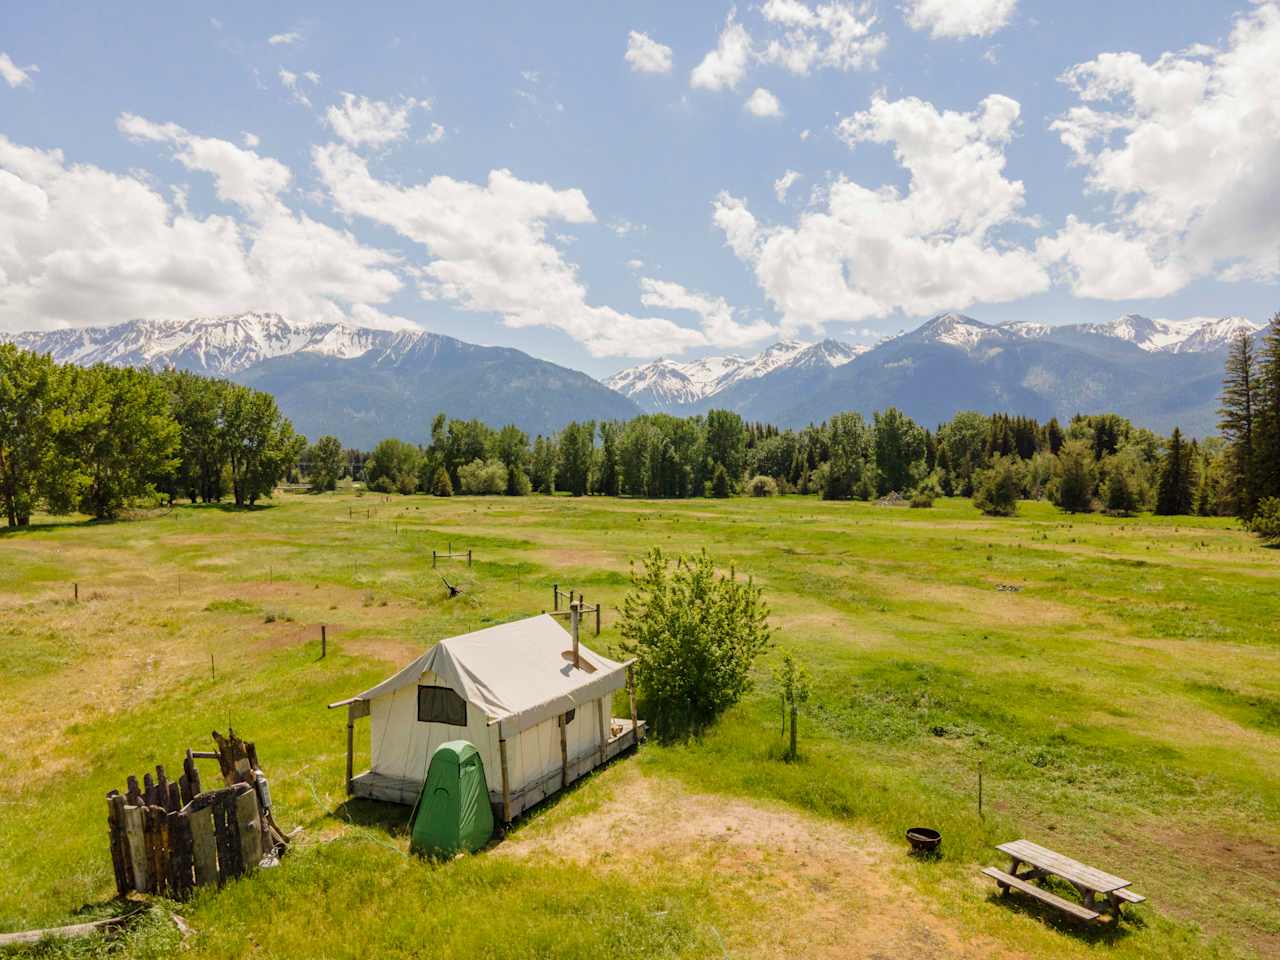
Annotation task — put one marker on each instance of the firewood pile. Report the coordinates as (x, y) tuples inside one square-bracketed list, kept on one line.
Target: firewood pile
[(169, 837)]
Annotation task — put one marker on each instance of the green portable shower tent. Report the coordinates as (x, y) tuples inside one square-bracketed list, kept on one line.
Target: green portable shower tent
[(453, 812)]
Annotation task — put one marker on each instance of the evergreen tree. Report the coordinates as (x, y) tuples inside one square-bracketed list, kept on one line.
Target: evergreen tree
[(1267, 456), (1237, 416), (1174, 496), (720, 486), (441, 485), (1076, 477), (1053, 436)]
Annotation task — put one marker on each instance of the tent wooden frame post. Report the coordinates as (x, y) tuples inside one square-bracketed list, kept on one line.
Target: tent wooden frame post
[(506, 783), (575, 619), (631, 697), (564, 754), (604, 733), (355, 710)]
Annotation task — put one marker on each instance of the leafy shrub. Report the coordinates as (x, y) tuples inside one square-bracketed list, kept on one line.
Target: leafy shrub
[(921, 500), (483, 477), (1120, 496), (1265, 521), (762, 486), (695, 636), (995, 490)]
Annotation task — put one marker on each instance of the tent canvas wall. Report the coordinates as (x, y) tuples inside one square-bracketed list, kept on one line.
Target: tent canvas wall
[(537, 720)]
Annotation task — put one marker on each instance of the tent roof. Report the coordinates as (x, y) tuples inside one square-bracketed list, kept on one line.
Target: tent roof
[(519, 673)]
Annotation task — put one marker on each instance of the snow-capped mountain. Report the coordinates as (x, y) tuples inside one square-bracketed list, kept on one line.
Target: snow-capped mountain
[(213, 345), (666, 384), (1195, 335), (357, 383)]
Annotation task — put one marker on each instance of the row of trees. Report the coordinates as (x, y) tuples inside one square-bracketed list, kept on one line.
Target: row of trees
[(97, 439), (1094, 462)]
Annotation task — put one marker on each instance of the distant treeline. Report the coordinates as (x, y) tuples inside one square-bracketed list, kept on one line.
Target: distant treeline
[(1094, 462), (97, 439)]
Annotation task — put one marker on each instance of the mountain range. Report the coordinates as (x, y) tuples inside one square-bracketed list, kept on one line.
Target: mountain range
[(357, 383), (364, 384), (1161, 373)]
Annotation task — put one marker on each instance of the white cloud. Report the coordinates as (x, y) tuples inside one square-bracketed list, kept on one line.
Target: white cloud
[(726, 65), (15, 75), (635, 264), (81, 245), (647, 55), (839, 35), (489, 251), (435, 134), (364, 122), (836, 35), (804, 134), (250, 140), (959, 18), (762, 103), (717, 317), (1188, 149), (290, 81), (284, 39), (313, 77), (785, 183), (871, 252)]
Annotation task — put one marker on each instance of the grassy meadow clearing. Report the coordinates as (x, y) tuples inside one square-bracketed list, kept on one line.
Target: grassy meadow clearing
[(1123, 701)]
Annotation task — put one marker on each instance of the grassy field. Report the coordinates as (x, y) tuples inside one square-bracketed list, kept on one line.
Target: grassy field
[(1122, 694)]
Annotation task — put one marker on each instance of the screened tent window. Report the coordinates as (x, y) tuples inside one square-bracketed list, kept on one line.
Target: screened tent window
[(441, 705)]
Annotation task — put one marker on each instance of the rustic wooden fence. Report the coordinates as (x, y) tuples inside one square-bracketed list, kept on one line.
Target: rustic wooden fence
[(170, 837)]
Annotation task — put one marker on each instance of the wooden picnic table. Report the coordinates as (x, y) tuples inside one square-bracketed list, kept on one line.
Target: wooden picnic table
[(1089, 881)]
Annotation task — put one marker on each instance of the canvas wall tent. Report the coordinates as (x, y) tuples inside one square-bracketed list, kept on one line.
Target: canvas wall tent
[(538, 721)]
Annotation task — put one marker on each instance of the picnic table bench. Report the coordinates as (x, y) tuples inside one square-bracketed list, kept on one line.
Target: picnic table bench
[(1089, 881)]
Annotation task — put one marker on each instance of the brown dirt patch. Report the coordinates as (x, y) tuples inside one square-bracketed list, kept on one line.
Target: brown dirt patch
[(804, 887)]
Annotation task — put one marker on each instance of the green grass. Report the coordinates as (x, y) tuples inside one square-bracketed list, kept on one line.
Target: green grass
[(1122, 700)]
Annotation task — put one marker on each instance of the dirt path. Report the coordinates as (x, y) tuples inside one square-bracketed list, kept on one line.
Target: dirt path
[(797, 886)]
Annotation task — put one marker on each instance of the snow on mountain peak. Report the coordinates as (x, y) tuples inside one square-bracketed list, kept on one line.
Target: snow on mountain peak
[(665, 383), (215, 345)]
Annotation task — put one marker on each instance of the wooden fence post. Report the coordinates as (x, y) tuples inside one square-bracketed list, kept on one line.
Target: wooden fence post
[(555, 596), (597, 619), (324, 641), (468, 556)]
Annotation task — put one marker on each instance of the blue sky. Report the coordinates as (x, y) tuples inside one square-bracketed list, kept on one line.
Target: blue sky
[(509, 174)]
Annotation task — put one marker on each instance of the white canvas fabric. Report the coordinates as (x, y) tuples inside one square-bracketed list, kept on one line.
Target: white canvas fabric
[(518, 673)]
